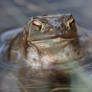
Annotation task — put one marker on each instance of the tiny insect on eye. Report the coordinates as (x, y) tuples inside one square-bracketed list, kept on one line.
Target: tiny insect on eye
[(36, 25)]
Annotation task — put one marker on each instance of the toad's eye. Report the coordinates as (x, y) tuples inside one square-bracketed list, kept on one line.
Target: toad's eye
[(36, 25), (72, 22)]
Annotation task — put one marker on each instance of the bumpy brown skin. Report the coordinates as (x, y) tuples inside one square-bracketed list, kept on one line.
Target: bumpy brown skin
[(42, 53)]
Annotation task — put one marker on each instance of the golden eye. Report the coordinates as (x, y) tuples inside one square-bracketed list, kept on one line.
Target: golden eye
[(70, 23), (36, 25)]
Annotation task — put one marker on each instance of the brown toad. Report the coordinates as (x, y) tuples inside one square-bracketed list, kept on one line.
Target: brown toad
[(43, 47)]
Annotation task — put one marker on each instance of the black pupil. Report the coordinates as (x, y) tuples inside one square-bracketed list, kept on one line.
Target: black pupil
[(72, 22), (35, 25), (39, 26)]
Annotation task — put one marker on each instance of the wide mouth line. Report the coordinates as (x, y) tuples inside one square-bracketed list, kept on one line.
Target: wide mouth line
[(51, 37)]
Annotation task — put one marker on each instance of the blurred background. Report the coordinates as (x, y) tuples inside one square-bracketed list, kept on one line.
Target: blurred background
[(15, 13)]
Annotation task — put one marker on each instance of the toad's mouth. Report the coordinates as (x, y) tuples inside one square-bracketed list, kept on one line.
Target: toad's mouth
[(62, 34), (46, 38), (51, 41)]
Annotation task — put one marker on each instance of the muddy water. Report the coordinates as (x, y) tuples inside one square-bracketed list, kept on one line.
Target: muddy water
[(81, 76)]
